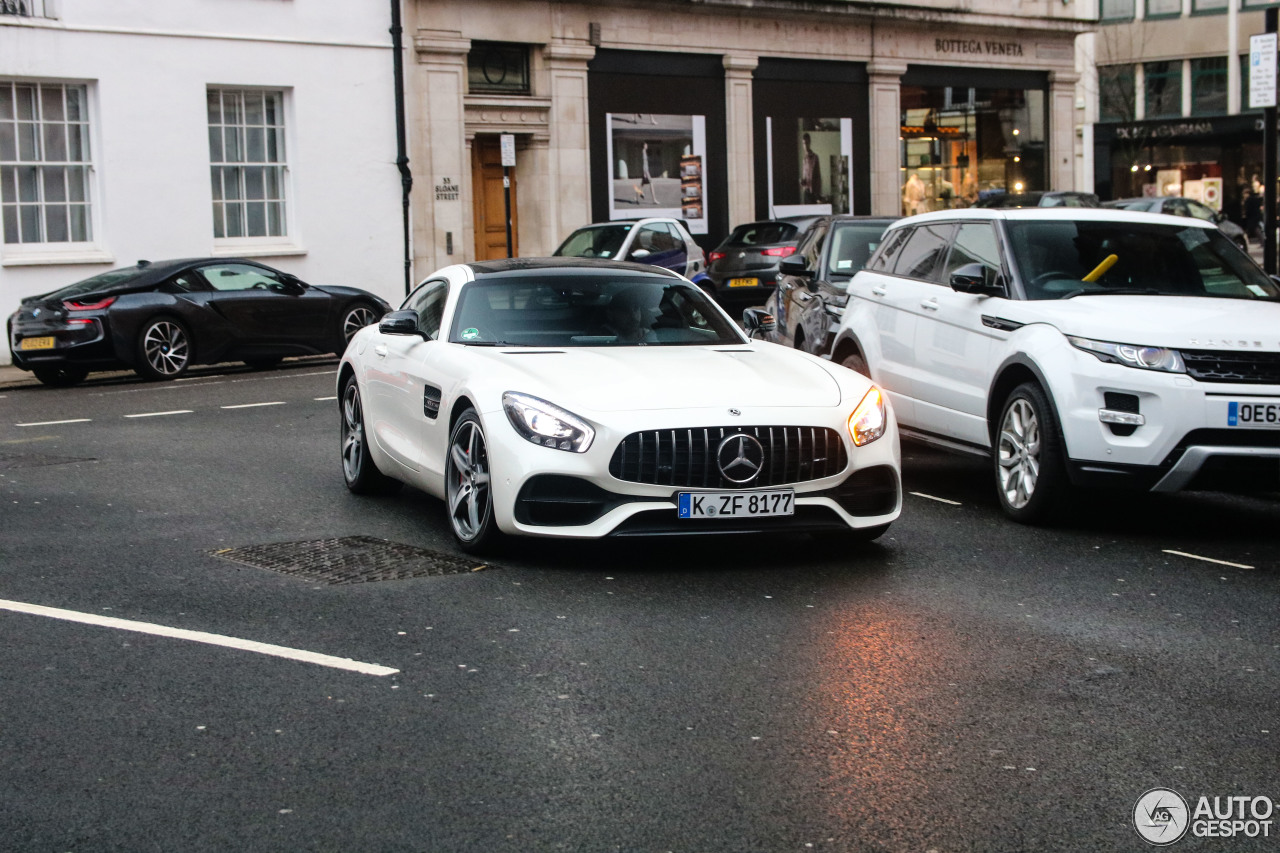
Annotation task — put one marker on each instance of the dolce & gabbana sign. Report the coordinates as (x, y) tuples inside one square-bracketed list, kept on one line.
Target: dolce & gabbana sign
[(978, 46)]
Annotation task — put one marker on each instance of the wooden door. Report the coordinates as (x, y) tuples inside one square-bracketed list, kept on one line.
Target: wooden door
[(489, 206)]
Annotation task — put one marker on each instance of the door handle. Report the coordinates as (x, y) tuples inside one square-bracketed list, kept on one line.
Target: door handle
[(929, 305), (879, 291), (380, 351)]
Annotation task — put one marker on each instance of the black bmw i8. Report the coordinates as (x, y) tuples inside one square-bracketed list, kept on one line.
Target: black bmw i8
[(161, 317)]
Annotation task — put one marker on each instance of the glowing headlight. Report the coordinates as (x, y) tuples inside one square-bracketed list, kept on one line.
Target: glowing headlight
[(547, 425), (868, 421), (1147, 358)]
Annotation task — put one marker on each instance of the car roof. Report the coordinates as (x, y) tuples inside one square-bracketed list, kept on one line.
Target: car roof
[(1032, 214), (506, 267), (146, 272)]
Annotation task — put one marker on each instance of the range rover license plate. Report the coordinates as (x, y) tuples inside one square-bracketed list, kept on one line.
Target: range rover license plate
[(737, 504), (1253, 415)]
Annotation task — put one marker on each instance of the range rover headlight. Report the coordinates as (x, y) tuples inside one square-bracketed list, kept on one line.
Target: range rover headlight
[(547, 425), (1147, 358), (868, 421)]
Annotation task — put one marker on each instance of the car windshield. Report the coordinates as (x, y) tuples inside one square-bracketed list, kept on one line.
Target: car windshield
[(96, 283), (594, 241), (595, 310), (1061, 259), (762, 234), (851, 246)]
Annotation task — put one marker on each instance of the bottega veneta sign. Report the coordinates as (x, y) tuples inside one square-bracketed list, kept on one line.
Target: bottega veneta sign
[(986, 48)]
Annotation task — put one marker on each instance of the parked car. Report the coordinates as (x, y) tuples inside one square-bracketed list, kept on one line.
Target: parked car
[(1075, 347), (1179, 206), (659, 241), (745, 265), (583, 399), (1052, 198), (161, 317), (812, 282)]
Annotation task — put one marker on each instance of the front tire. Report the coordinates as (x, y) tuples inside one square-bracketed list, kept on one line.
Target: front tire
[(164, 349), (1030, 467), (468, 487), (857, 364), (61, 376), (359, 471), (355, 318)]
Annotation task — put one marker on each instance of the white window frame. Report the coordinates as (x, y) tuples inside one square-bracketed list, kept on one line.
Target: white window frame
[(287, 241), (91, 250)]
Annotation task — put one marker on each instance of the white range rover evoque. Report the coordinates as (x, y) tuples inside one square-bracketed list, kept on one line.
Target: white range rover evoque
[(578, 398), (1074, 347)]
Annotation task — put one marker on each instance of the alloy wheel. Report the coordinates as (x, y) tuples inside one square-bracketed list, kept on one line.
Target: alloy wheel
[(468, 483), (166, 348), (1019, 453), (357, 318), (352, 433)]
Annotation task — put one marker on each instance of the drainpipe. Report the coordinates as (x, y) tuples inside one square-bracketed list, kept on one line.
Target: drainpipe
[(402, 158)]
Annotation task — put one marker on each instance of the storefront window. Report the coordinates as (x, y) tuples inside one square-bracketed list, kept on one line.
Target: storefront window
[(808, 163), (1163, 89), (960, 144), (1209, 86), (656, 165)]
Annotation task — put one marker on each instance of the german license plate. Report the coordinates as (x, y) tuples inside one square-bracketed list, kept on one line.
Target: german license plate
[(743, 282), (737, 504), (36, 343), (1253, 415)]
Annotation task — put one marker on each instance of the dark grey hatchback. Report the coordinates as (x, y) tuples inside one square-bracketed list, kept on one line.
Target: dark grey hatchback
[(160, 318), (745, 265)]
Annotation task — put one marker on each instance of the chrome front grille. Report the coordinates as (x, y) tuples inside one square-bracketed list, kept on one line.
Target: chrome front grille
[(686, 458), (1249, 368)]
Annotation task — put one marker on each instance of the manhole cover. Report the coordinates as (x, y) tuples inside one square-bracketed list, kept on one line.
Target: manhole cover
[(9, 461), (351, 559)]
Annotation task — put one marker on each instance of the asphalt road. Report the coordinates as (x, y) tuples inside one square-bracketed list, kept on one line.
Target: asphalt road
[(963, 684)]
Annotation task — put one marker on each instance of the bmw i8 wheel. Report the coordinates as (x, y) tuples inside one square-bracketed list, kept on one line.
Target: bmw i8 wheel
[(468, 494), (356, 318), (359, 471), (164, 349)]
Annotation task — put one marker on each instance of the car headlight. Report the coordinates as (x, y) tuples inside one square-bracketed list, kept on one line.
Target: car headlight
[(869, 419), (547, 425), (1147, 358)]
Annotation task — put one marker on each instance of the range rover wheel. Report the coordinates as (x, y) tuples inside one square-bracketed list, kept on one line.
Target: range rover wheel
[(1031, 474), (857, 363)]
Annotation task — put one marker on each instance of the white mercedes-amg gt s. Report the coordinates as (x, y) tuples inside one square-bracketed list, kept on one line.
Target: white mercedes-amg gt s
[(587, 398)]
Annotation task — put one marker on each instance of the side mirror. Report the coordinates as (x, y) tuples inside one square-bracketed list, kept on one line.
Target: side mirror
[(293, 284), (794, 265), (638, 254), (758, 320), (975, 279), (400, 323)]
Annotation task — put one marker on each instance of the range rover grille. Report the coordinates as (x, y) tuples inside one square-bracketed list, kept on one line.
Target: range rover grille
[(687, 457), (1250, 368)]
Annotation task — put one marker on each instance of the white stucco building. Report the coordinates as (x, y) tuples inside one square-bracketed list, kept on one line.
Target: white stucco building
[(260, 128)]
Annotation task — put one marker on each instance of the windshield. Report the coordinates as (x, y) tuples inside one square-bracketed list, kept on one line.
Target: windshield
[(594, 241), (1060, 259), (851, 246), (589, 311)]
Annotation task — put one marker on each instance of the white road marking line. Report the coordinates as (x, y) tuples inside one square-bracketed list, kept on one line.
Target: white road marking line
[(206, 380), (198, 637), (320, 399), (55, 423), (1207, 559), (939, 500), (254, 405), (160, 414)]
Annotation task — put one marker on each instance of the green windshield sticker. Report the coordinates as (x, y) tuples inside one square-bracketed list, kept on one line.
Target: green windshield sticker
[(470, 334)]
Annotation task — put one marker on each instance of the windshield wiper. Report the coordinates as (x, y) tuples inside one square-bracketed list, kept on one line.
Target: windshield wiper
[(1118, 291)]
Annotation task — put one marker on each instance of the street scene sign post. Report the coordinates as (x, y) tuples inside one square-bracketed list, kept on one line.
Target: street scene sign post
[(508, 143)]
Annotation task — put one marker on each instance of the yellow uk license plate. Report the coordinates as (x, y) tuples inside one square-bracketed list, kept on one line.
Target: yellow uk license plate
[(742, 282), (36, 343)]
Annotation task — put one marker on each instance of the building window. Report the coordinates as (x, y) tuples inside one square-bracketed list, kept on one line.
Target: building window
[(1163, 89), (1164, 8), (1117, 10), (1244, 82), (1209, 86), (498, 67), (1200, 7), (1116, 95), (44, 163), (28, 8), (247, 162), (1256, 4)]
